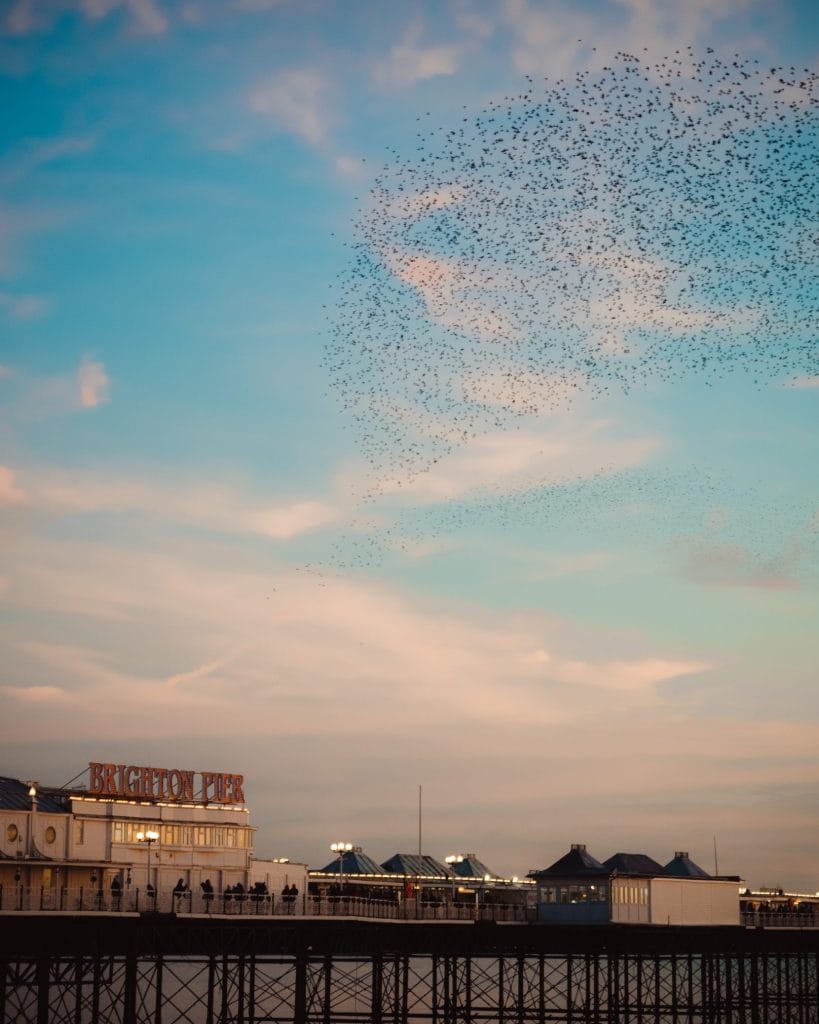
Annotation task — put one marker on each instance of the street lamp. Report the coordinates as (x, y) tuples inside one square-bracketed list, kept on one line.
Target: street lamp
[(452, 860), (149, 838), (32, 795), (341, 849)]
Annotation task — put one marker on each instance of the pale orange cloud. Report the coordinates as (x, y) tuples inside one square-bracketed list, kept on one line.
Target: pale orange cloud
[(94, 384), (10, 492), (198, 503)]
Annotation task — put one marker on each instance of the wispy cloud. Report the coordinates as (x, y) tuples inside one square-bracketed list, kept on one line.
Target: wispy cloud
[(197, 503), (256, 6), (412, 61), (94, 385), (31, 397), (23, 307), (545, 39), (714, 563), (200, 672), (634, 676), (10, 493), (17, 225), (481, 668), (296, 100), (553, 39), (25, 17), (38, 153), (547, 694), (559, 451), (146, 16), (34, 694)]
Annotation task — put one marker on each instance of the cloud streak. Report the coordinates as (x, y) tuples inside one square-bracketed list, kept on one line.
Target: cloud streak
[(207, 505), (410, 61), (296, 101)]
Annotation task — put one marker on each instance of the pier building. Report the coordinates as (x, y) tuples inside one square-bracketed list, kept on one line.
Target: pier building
[(631, 888), (136, 836)]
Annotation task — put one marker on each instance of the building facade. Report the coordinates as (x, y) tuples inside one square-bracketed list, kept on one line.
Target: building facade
[(633, 889), (142, 837)]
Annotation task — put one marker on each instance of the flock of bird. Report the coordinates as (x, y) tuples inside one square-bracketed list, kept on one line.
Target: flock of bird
[(643, 222)]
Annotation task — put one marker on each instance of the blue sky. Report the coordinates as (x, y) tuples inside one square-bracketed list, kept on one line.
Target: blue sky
[(541, 560)]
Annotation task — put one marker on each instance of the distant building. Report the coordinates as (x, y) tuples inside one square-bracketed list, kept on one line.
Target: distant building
[(133, 835), (633, 888)]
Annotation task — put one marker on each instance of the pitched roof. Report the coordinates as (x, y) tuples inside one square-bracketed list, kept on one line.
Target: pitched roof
[(471, 867), (14, 797), (354, 862), (683, 867), (577, 862), (634, 864), (419, 865)]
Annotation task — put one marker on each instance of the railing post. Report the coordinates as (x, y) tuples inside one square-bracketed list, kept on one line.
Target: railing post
[(43, 1008), (377, 993), (129, 990), (300, 991)]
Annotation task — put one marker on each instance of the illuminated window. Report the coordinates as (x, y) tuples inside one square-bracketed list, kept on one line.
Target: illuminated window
[(50, 834), (598, 893)]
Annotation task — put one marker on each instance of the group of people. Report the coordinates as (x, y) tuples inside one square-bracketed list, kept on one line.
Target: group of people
[(290, 894), (257, 893)]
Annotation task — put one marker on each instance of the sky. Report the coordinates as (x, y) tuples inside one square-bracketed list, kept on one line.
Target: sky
[(398, 396)]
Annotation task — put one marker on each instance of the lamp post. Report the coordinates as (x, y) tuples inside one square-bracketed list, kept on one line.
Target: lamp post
[(452, 860), (149, 838), (32, 795), (341, 849)]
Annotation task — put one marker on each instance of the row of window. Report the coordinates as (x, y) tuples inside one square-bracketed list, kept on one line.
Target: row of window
[(13, 834), (221, 836), (598, 893), (636, 895)]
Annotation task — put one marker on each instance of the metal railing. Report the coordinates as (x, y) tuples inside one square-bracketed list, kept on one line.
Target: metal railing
[(781, 918), (89, 899)]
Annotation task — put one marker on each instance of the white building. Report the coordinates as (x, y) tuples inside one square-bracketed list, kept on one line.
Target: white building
[(132, 836), (632, 888)]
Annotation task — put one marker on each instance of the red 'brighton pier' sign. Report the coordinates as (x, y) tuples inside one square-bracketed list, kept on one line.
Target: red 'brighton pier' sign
[(134, 782)]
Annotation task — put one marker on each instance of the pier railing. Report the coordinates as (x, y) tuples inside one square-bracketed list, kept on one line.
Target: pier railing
[(89, 899)]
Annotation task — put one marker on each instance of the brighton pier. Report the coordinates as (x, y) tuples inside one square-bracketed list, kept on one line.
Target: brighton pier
[(108, 914), (162, 969)]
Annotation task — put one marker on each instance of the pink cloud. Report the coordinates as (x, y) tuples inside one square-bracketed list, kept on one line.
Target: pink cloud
[(34, 694), (94, 384), (410, 61), (561, 450), (197, 503), (10, 493)]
